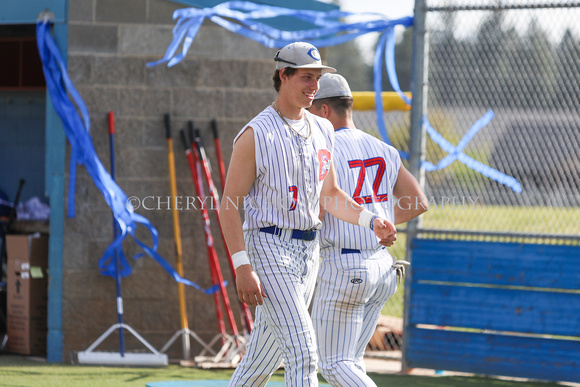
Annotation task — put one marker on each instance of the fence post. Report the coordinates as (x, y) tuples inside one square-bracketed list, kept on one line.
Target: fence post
[(417, 140)]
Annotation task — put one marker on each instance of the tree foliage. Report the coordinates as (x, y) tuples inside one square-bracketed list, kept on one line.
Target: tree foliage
[(348, 61), (501, 68), (496, 67)]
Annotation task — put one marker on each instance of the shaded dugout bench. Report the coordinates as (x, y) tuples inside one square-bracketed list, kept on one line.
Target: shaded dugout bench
[(495, 309)]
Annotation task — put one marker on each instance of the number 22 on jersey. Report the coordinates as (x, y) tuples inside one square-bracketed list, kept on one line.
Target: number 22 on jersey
[(379, 162)]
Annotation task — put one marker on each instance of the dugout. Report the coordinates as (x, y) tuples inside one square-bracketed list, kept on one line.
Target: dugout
[(106, 45)]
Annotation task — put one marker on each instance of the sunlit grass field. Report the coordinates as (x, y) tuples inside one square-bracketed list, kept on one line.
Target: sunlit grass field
[(529, 220)]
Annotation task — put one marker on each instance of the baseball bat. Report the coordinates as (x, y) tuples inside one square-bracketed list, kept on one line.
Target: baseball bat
[(218, 150), (205, 214), (246, 314), (208, 239)]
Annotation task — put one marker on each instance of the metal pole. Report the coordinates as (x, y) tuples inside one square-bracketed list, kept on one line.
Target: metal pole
[(419, 73), (177, 239), (111, 120)]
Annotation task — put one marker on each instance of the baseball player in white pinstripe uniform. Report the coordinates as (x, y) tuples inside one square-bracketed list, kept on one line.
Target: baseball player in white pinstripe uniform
[(357, 275), (282, 165)]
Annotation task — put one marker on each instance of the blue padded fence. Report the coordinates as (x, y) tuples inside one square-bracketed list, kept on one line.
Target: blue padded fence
[(490, 308)]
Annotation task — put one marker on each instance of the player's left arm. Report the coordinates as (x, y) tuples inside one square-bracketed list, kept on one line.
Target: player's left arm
[(339, 204), (412, 201)]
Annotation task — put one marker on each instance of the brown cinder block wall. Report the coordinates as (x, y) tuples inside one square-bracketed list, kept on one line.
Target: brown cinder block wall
[(224, 77)]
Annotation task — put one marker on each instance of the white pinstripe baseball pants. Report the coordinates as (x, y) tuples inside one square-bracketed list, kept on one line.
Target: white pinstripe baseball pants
[(351, 292), (283, 329)]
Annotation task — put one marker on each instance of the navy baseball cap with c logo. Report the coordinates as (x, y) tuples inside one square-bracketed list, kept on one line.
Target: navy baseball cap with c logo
[(300, 55)]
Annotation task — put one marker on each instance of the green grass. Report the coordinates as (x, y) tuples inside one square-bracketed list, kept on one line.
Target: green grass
[(536, 220), (21, 371)]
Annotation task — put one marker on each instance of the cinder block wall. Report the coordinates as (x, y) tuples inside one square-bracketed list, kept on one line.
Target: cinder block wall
[(226, 77)]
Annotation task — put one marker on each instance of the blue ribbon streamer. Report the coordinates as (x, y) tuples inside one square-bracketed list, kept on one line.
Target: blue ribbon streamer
[(378, 85), (60, 87), (331, 32), (390, 63), (455, 153), (386, 45)]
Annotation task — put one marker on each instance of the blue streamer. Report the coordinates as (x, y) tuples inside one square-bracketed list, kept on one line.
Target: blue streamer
[(390, 63), (331, 31), (455, 153), (59, 87), (82, 108), (328, 20), (378, 85)]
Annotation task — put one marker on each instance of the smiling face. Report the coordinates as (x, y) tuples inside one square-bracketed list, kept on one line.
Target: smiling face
[(298, 90)]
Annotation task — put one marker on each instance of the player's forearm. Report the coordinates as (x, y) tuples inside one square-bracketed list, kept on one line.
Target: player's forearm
[(410, 207), (340, 205), (335, 201), (405, 215), (411, 200)]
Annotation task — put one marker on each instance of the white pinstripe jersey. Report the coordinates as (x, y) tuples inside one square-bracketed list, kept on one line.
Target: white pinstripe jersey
[(289, 172), (366, 169)]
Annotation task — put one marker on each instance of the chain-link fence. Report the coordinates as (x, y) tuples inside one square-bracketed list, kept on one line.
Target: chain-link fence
[(520, 60)]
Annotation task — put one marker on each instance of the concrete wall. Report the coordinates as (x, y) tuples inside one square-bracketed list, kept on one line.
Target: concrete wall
[(226, 77)]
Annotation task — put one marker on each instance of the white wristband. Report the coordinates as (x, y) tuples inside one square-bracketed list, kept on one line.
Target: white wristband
[(366, 218), (240, 258)]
